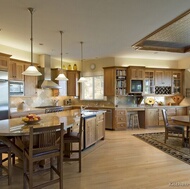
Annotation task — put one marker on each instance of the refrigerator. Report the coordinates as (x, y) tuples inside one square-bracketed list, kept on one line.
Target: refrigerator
[(4, 95)]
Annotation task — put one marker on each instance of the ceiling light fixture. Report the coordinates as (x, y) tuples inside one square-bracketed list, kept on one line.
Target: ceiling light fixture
[(31, 70), (82, 79), (61, 76)]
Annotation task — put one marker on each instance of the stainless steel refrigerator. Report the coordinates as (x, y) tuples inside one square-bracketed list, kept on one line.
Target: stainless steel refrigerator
[(4, 95)]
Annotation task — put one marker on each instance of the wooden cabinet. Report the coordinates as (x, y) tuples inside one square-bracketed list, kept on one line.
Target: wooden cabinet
[(149, 87), (4, 61), (63, 84), (30, 83), (115, 81), (90, 131), (16, 68), (120, 119), (151, 117), (109, 81), (72, 84), (100, 126), (135, 72), (177, 81), (163, 78), (181, 111)]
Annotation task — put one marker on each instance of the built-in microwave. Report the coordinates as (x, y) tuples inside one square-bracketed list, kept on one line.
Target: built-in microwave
[(136, 86), (16, 88)]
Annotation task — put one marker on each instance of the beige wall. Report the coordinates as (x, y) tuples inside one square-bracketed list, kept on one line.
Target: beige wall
[(146, 62), (18, 54), (184, 63)]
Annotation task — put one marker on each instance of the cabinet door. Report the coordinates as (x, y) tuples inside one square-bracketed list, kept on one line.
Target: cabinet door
[(137, 73), (30, 83), (149, 87), (181, 111), (72, 84), (63, 84), (163, 78), (15, 71), (100, 126), (177, 80), (90, 131), (151, 117), (99, 130), (4, 61), (109, 81)]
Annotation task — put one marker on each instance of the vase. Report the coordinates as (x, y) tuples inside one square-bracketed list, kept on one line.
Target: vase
[(74, 67), (69, 67)]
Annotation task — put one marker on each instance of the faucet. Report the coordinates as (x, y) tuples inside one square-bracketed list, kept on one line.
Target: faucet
[(55, 102), (82, 108)]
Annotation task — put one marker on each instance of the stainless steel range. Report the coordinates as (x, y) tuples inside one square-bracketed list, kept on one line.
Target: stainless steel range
[(51, 109)]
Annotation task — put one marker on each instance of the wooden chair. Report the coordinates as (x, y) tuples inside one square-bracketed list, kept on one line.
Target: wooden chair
[(71, 138), (172, 130), (5, 149), (44, 143)]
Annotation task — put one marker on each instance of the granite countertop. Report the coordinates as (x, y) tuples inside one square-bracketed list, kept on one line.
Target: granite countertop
[(16, 127), (143, 107)]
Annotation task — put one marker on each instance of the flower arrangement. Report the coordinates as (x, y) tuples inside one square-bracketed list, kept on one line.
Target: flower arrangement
[(150, 101)]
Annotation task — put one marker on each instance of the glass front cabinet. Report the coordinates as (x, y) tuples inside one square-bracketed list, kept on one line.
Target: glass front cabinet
[(149, 86)]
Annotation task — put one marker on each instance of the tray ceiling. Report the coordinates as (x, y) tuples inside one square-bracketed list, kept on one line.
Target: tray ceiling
[(172, 37)]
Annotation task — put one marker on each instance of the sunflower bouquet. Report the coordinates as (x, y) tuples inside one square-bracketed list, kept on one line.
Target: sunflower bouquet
[(149, 101)]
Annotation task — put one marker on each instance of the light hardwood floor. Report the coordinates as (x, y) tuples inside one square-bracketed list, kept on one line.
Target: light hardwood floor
[(121, 161)]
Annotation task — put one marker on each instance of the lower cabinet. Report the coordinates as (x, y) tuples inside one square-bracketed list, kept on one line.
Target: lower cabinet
[(90, 131), (100, 126), (94, 129), (120, 119), (151, 117)]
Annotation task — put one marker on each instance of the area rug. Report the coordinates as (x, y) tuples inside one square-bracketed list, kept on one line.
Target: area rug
[(172, 147)]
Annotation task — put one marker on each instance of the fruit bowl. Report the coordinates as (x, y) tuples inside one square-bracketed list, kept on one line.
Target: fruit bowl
[(31, 119), (31, 122)]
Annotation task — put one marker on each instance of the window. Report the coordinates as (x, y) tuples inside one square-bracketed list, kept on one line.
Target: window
[(93, 88)]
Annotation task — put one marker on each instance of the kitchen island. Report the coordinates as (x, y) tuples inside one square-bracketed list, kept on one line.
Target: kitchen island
[(16, 128)]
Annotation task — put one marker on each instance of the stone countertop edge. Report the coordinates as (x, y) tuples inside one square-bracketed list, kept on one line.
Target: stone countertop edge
[(149, 107)]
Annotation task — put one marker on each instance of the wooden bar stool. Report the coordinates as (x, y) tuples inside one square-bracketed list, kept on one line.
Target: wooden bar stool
[(134, 121)]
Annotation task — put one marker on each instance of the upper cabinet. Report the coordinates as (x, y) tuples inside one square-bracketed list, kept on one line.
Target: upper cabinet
[(15, 70), (135, 72), (4, 61), (177, 80), (149, 86), (72, 84), (63, 84), (135, 78), (109, 81), (163, 78), (115, 81)]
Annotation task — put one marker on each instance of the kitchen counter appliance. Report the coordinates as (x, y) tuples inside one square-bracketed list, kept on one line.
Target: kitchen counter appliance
[(51, 109)]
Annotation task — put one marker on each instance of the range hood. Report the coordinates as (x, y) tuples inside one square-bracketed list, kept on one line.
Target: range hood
[(45, 61)]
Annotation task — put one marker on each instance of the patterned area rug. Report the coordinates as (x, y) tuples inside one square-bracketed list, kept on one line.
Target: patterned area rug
[(172, 147)]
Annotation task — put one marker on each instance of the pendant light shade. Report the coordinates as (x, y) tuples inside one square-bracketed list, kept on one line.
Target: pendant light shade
[(82, 79), (31, 70), (61, 76)]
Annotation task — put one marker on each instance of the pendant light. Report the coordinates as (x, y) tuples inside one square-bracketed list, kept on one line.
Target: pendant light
[(61, 76), (82, 79), (31, 70)]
